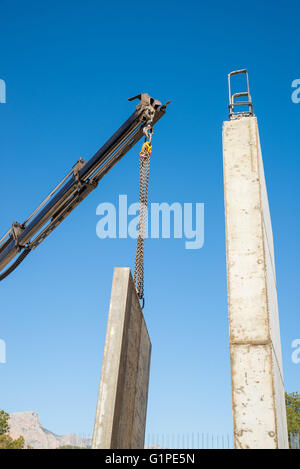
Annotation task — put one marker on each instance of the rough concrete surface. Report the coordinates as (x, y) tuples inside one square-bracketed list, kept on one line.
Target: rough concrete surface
[(256, 365), (122, 403)]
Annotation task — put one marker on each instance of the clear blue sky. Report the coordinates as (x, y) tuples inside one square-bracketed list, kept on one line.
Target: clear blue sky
[(69, 67)]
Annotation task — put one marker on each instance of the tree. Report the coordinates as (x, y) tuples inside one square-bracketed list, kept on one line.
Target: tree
[(4, 427), (292, 401), (6, 441)]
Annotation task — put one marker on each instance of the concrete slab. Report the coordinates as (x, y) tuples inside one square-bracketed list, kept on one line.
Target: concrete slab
[(122, 403), (256, 364)]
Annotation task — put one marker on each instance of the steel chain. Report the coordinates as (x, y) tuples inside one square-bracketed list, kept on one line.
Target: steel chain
[(143, 220)]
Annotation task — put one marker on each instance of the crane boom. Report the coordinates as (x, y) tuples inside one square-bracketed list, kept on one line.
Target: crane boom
[(22, 238)]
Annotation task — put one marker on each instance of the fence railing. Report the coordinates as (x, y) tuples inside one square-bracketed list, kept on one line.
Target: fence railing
[(295, 440), (195, 440), (188, 440)]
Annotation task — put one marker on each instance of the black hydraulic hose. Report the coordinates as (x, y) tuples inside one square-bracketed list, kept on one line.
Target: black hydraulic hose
[(15, 264)]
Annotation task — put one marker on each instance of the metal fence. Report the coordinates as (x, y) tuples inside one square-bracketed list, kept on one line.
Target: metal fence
[(196, 440), (295, 440)]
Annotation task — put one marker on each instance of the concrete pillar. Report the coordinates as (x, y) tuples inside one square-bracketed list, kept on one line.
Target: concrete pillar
[(122, 403), (258, 399)]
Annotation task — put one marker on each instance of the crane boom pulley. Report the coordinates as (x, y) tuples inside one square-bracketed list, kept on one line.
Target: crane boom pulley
[(22, 238)]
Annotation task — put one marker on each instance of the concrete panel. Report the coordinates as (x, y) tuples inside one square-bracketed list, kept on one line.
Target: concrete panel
[(257, 378), (122, 403)]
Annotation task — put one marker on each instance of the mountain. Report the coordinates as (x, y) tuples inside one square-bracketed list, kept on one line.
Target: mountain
[(28, 425)]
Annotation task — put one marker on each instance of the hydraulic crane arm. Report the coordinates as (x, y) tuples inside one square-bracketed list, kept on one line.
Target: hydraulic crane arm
[(22, 238)]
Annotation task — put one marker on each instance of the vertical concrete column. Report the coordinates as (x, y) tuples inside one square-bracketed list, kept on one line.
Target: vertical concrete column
[(258, 399), (122, 403)]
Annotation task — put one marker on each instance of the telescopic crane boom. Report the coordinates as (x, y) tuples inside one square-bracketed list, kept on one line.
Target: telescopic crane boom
[(22, 238)]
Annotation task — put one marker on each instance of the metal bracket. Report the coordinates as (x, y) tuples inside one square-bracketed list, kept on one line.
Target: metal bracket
[(16, 230), (91, 183), (147, 107), (146, 102), (232, 103), (76, 170)]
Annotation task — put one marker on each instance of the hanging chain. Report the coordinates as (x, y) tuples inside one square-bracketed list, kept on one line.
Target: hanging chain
[(143, 215)]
